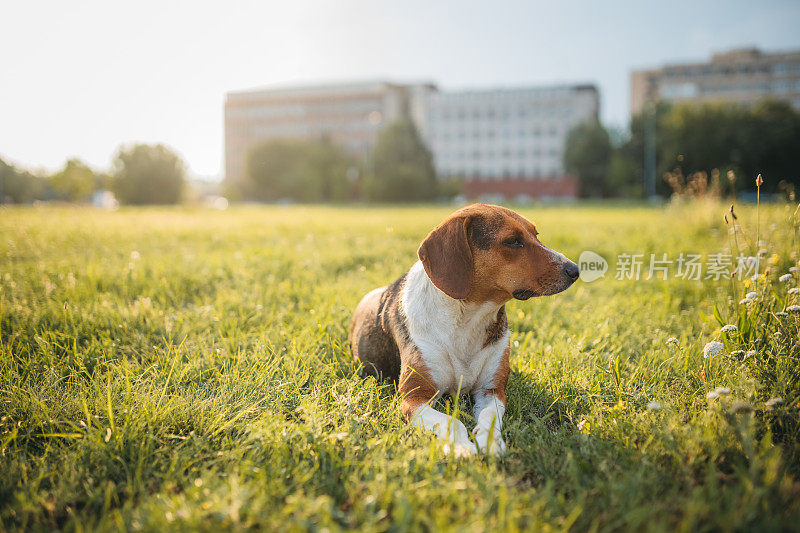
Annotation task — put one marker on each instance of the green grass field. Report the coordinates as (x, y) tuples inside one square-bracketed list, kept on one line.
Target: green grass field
[(181, 368)]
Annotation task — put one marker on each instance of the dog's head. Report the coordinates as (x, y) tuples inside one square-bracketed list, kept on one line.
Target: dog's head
[(487, 252)]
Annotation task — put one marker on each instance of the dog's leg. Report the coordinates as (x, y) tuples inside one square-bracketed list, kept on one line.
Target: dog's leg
[(489, 410), (418, 391)]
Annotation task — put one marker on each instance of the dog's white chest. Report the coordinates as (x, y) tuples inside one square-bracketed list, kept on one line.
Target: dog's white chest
[(451, 335)]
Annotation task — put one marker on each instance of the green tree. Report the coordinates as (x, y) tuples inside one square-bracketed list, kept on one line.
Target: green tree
[(403, 166), (587, 155), (75, 182), (761, 139), (304, 171), (19, 186), (148, 174)]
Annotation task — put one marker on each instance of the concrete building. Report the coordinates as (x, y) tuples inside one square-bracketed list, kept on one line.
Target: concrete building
[(347, 114), (738, 76), (505, 142)]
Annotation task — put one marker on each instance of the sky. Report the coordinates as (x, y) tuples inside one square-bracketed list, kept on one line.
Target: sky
[(78, 79)]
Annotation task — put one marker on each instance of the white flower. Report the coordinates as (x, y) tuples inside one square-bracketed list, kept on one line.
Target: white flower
[(793, 308), (654, 406), (772, 402), (135, 255), (745, 301), (794, 290), (672, 340), (711, 349), (752, 295), (750, 353), (794, 269), (581, 424), (786, 277), (736, 353), (728, 328), (781, 314), (716, 393)]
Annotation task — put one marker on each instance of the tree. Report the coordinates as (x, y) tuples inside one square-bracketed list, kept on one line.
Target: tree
[(587, 155), (403, 166), (19, 186), (761, 139), (148, 174), (75, 182), (304, 171)]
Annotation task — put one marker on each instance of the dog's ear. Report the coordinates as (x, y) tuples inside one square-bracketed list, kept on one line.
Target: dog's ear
[(447, 257)]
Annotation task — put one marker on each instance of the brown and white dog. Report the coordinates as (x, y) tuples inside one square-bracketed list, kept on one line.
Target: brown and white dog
[(442, 328)]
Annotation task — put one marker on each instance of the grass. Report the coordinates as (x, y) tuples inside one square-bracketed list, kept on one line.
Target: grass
[(173, 369)]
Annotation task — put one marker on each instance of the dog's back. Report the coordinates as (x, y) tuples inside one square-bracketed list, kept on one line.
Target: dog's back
[(371, 334)]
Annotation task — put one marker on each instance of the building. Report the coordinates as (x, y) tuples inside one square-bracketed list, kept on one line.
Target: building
[(506, 142), (347, 114), (738, 76)]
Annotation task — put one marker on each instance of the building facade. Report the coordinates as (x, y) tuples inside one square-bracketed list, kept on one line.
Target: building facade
[(349, 115), (739, 76), (504, 142)]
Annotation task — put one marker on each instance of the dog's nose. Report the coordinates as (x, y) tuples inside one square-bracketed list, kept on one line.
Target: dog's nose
[(572, 270)]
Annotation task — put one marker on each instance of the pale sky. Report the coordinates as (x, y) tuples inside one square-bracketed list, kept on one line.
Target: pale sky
[(79, 78)]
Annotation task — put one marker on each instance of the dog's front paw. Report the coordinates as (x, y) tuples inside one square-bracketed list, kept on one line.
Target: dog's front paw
[(489, 441)]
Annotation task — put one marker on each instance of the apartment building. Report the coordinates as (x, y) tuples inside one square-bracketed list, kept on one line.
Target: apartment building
[(507, 142), (742, 76)]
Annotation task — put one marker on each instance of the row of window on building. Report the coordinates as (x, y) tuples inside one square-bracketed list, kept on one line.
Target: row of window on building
[(504, 133), (727, 70), (505, 114)]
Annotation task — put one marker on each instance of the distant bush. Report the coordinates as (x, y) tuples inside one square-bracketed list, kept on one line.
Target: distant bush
[(303, 171), (148, 174), (19, 186), (75, 182)]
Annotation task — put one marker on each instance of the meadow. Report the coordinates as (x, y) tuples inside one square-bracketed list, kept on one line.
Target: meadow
[(188, 369)]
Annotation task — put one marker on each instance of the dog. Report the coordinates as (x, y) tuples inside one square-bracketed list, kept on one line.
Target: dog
[(442, 326)]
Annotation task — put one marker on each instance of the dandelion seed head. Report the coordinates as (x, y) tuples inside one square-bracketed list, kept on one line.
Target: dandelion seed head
[(716, 393), (654, 406), (712, 349), (772, 402)]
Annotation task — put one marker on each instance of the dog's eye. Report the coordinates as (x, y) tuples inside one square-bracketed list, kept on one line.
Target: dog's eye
[(514, 242)]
